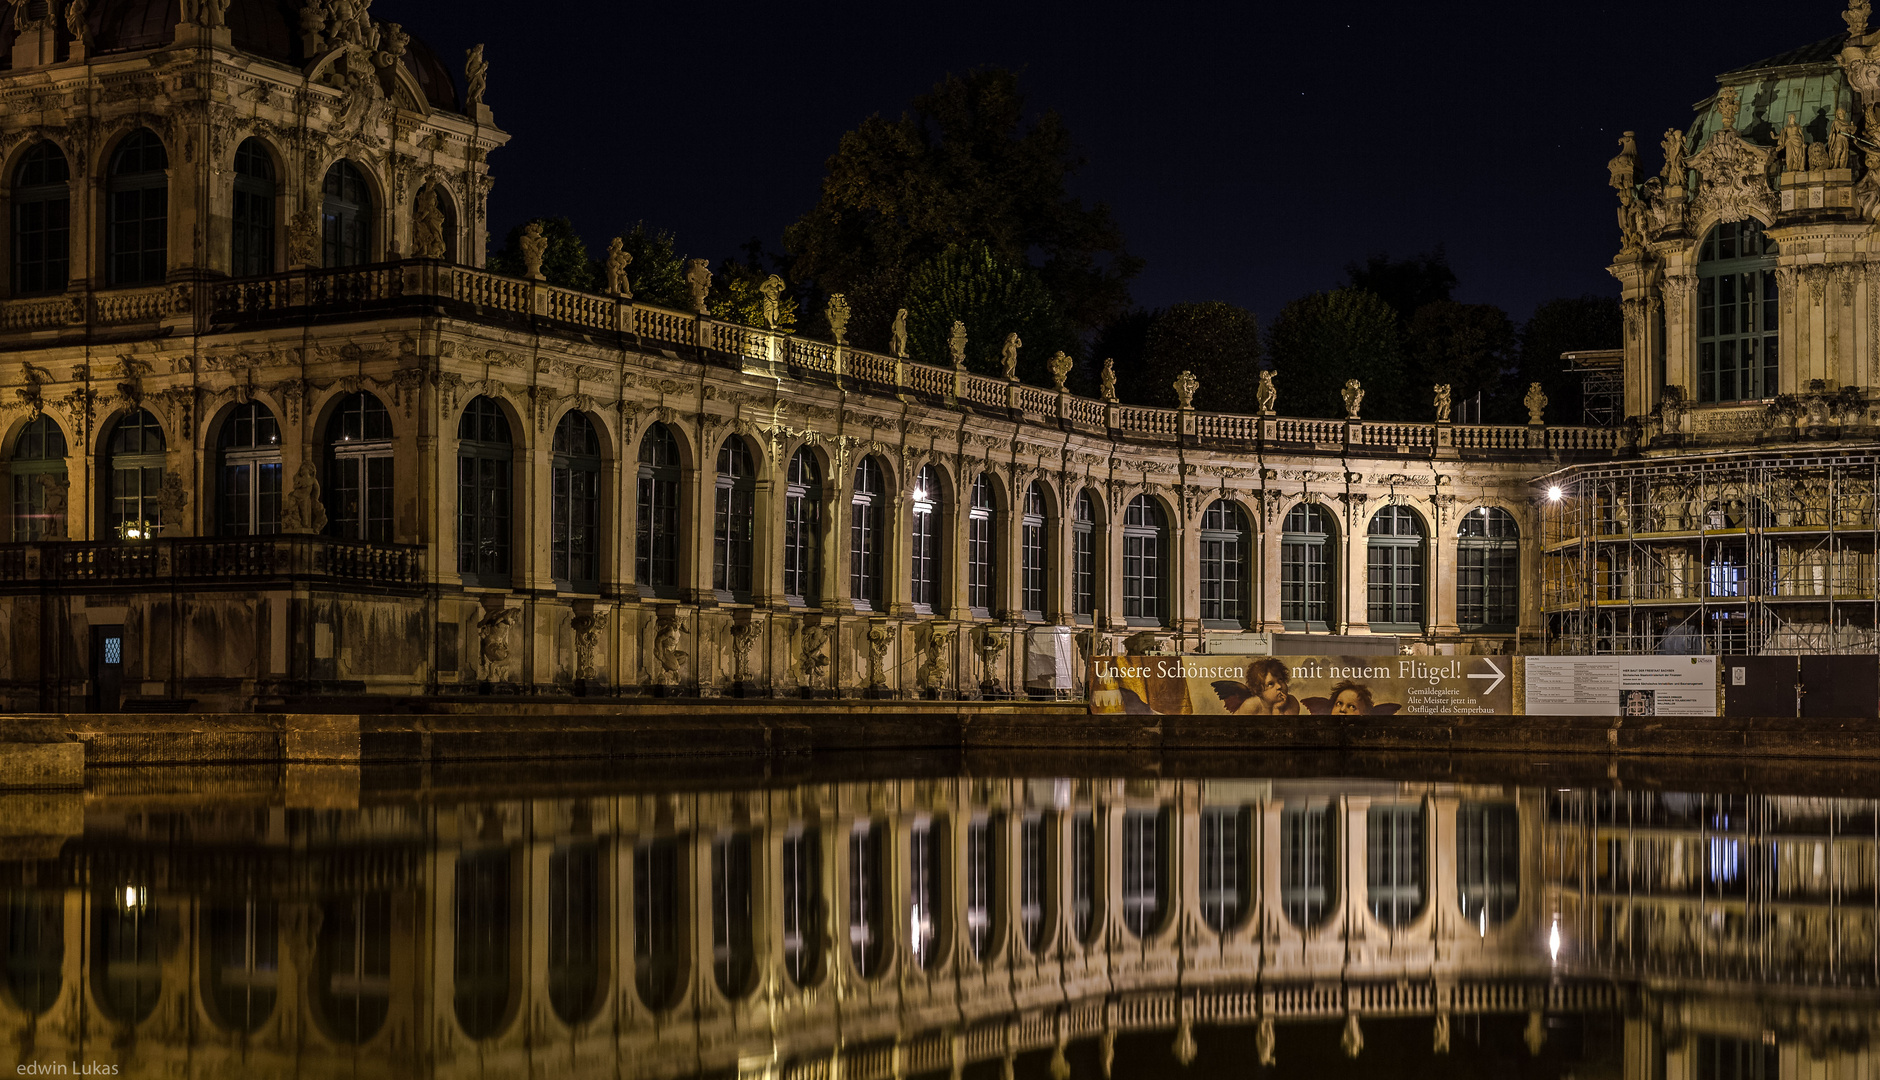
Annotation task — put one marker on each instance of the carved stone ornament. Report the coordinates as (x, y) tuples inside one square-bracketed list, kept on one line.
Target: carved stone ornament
[(1624, 165), (814, 659), (618, 259), (534, 246), (1267, 394), (1060, 365), (880, 639), (1442, 403), (588, 630), (1008, 356), (772, 292), (1109, 380), (493, 644), (427, 228), (476, 75), (897, 335), (670, 660), (698, 279), (305, 511), (1733, 178), (1185, 386), (956, 344), (1354, 397), (1536, 401)]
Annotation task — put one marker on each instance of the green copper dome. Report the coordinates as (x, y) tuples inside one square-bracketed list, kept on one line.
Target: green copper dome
[(1805, 81)]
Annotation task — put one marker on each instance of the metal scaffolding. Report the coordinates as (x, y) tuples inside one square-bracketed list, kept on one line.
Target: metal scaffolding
[(1765, 553)]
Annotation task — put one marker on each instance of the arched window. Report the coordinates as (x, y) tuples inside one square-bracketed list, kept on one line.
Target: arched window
[(359, 470), (248, 495), (924, 545), (575, 510), (241, 963), (734, 521), (926, 844), (1084, 559), (656, 546), (1224, 549), (353, 966), (1034, 878), (1394, 570), (802, 532), (1394, 863), (126, 962), (1308, 881), (1488, 862), (867, 925), (1145, 884), (1084, 893), (42, 221), (1305, 563), (865, 536), (981, 549), (482, 942), (483, 484), (39, 482), (346, 216), (251, 236), (658, 937), (982, 888), (733, 958), (136, 468), (137, 208), (1488, 570), (802, 904), (1034, 565), (1226, 881), (575, 940), (1144, 537), (33, 925), (1737, 313)]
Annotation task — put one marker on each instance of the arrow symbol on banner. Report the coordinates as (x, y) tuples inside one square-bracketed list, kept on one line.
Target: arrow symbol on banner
[(1497, 676)]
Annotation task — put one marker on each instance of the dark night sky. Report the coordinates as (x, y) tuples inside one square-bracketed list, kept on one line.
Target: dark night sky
[(1249, 151)]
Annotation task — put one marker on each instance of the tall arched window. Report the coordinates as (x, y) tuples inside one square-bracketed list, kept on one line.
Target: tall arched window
[(1145, 882), (734, 960), (865, 536), (926, 893), (1144, 537), (39, 482), (42, 221), (132, 510), (1226, 881), (1488, 862), (248, 495), (575, 938), (1034, 564), (802, 532), (734, 521), (1305, 564), (924, 544), (126, 961), (803, 912), (482, 942), (981, 549), (982, 887), (346, 216), (32, 923), (656, 544), (251, 236), (1085, 896), (575, 510), (1034, 877), (352, 986), (359, 470), (1084, 559), (483, 486), (1737, 313), (1488, 570), (867, 919), (1394, 570), (1394, 863), (137, 211), (1308, 881), (1224, 549), (241, 962), (658, 937)]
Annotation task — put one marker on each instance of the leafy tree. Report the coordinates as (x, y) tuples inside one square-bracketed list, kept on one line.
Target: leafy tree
[(1468, 346), (736, 297), (960, 166), (1319, 341), (565, 262), (1558, 326), (657, 272), (994, 296), (1405, 284), (1218, 342)]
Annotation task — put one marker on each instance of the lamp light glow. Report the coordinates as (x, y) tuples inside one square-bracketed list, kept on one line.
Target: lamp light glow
[(1553, 942), (1553, 493)]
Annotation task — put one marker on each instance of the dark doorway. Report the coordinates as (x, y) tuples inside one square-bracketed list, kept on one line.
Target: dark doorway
[(107, 668)]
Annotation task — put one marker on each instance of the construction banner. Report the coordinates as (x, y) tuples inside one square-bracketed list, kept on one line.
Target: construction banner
[(1301, 685)]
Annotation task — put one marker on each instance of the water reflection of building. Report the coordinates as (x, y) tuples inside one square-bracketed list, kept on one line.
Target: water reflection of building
[(903, 927)]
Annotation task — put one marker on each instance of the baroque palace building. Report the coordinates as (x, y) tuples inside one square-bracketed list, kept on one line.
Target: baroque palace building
[(272, 434)]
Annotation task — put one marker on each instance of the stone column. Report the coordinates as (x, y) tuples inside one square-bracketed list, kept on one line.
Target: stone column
[(698, 494), (1110, 569), (1442, 571), (1269, 569), (1184, 564), (767, 532), (1353, 596)]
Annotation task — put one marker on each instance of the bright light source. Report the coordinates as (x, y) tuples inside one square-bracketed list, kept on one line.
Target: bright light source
[(1553, 942), (1553, 493), (920, 494)]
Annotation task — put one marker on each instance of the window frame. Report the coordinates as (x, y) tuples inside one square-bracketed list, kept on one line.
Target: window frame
[(734, 521), (1739, 314), (1034, 555), (1145, 567), (243, 471), (1488, 571), (924, 548), (802, 531), (486, 485), (252, 221), (347, 225), (982, 549), (1224, 542), (574, 539), (1396, 860), (1396, 580), (369, 457), (37, 467), (1301, 552), (658, 538), (48, 201), (146, 191), (866, 499), (1084, 559), (149, 466)]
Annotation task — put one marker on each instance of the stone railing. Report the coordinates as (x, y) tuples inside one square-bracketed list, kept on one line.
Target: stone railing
[(206, 559), (492, 293)]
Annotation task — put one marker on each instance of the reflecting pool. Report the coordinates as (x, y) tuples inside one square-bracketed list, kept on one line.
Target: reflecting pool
[(862, 919)]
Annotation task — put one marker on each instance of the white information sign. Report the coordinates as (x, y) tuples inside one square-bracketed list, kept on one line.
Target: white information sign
[(1620, 686)]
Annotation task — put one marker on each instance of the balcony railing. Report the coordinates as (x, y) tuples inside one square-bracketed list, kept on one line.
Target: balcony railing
[(207, 559)]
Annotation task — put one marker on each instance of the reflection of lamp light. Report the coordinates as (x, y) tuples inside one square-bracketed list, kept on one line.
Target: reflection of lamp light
[(920, 494), (1553, 493), (136, 530), (1484, 920), (132, 900), (1553, 941)]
